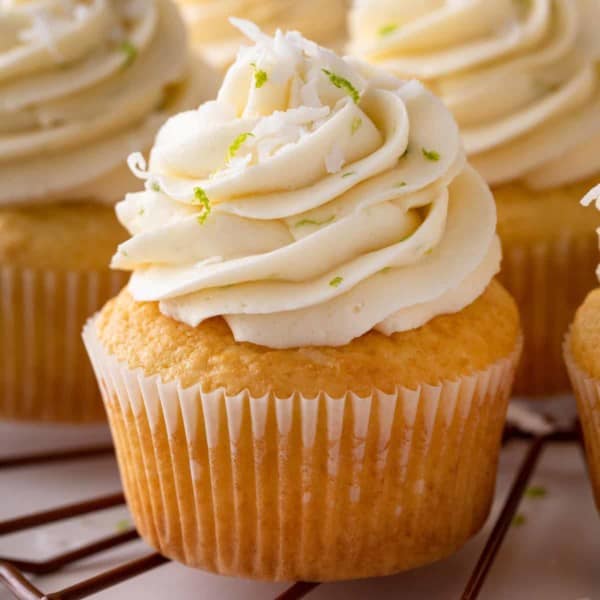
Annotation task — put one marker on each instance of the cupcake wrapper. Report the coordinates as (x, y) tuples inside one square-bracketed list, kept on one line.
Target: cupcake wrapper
[(315, 488), (549, 281), (44, 371), (587, 393)]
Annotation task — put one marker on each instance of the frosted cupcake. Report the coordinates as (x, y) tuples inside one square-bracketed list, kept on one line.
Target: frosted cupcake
[(219, 42), (521, 81), (81, 85), (582, 357), (308, 374)]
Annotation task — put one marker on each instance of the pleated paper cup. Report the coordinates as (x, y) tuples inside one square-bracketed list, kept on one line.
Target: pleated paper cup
[(587, 393), (317, 488), (44, 372), (549, 280)]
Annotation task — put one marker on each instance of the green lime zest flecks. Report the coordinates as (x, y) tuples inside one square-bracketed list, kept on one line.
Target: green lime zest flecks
[(201, 199), (519, 520), (237, 144), (356, 125), (155, 187), (343, 84), (260, 76), (348, 174), (401, 184), (336, 282), (536, 491), (123, 525), (387, 29), (304, 222), (432, 155), (130, 51)]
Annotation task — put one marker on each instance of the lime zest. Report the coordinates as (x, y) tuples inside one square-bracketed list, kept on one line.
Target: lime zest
[(304, 222), (343, 84), (519, 520), (260, 77), (401, 184), (432, 155), (130, 51), (336, 281), (348, 174), (123, 525), (200, 198), (387, 29), (155, 187), (237, 144), (356, 125), (536, 491)]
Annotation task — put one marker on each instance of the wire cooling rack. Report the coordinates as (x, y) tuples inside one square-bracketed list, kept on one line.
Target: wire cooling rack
[(18, 575)]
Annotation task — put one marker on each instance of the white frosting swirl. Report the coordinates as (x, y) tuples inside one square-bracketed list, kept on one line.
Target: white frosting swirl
[(519, 76), (211, 32), (82, 84), (339, 201)]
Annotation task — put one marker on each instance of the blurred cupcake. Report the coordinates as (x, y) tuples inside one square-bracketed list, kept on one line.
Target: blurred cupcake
[(521, 81), (308, 375), (219, 42), (582, 356), (81, 85)]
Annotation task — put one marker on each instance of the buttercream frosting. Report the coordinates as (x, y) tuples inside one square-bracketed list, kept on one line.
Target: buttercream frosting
[(211, 32), (315, 199), (82, 84), (519, 76)]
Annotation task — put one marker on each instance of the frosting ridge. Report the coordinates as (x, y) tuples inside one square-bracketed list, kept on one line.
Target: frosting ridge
[(520, 77), (83, 83)]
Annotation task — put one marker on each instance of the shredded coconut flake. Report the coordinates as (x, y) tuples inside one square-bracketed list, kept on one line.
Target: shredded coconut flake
[(137, 165), (592, 196)]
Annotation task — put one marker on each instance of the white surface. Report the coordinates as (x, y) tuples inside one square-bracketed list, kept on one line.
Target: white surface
[(552, 556)]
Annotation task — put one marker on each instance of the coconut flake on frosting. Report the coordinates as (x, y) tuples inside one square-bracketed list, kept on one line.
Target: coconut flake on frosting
[(307, 207), (520, 77), (82, 84)]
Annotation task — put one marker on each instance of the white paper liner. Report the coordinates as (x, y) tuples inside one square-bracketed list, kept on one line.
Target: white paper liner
[(316, 488), (549, 280), (44, 371), (587, 393)]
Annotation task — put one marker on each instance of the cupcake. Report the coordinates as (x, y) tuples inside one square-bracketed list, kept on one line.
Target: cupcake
[(521, 81), (308, 374), (219, 42), (582, 357), (82, 84)]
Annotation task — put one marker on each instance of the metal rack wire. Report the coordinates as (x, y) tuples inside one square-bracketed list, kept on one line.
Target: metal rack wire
[(13, 572)]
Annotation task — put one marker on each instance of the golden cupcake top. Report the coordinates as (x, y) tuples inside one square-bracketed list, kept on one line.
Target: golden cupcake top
[(82, 83), (211, 32), (519, 76), (315, 199)]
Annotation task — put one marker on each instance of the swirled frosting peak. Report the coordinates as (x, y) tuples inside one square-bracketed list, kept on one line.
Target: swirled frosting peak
[(314, 200), (519, 76), (82, 84)]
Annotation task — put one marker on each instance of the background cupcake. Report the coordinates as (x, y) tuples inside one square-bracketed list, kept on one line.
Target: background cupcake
[(582, 356), (211, 32), (521, 80), (308, 374), (81, 85)]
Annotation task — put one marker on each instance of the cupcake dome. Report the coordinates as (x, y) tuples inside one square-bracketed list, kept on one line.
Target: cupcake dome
[(522, 82), (219, 42), (312, 357), (81, 85)]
